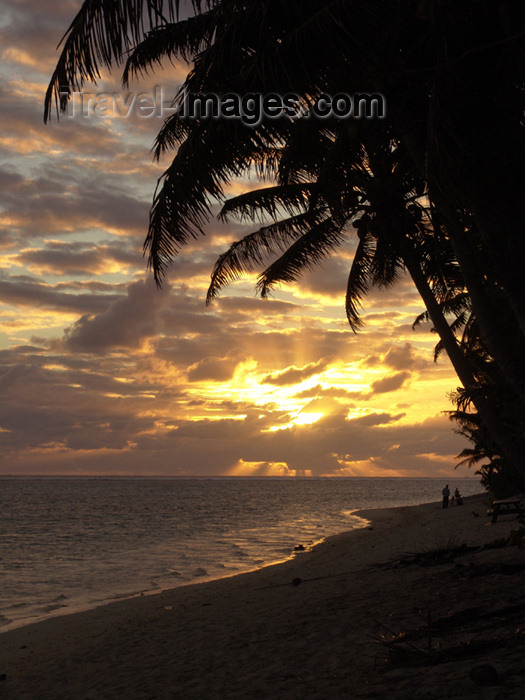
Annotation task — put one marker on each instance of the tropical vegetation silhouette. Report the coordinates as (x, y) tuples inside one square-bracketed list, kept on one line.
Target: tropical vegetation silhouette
[(436, 188)]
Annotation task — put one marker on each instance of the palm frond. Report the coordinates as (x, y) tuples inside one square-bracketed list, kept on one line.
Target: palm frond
[(387, 265), (174, 132), (291, 198), (251, 251), (245, 29), (306, 145), (185, 39), (421, 318), (213, 154), (307, 252), (359, 280), (99, 35)]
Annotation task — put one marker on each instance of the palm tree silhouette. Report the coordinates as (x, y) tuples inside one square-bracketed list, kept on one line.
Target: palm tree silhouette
[(438, 79), (394, 233)]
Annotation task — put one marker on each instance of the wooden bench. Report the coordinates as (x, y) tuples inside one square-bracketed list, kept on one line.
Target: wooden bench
[(506, 506)]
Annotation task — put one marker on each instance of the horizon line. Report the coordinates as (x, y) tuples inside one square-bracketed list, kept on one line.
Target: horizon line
[(214, 476)]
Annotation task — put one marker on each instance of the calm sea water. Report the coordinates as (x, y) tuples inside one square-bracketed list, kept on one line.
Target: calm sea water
[(72, 544)]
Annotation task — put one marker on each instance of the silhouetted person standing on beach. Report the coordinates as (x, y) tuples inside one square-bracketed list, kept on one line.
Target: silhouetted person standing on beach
[(446, 494)]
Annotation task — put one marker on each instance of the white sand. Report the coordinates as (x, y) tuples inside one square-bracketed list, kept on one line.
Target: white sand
[(258, 636)]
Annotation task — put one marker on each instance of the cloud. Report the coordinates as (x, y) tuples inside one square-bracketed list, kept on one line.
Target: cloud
[(216, 369), (319, 391), (392, 383), (329, 278), (294, 375), (403, 358), (250, 307), (15, 375), (124, 325), (377, 419), (81, 259), (100, 416), (397, 356), (26, 291), (61, 203)]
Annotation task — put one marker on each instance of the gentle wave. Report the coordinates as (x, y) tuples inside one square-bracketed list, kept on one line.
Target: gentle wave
[(71, 544)]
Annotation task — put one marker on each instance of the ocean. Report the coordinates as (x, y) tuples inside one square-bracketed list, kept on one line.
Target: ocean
[(77, 543)]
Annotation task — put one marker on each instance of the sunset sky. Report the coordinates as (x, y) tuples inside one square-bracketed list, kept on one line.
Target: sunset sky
[(102, 373)]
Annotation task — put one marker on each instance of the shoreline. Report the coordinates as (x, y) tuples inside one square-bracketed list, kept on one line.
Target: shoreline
[(117, 598), (70, 568), (303, 627), (83, 608)]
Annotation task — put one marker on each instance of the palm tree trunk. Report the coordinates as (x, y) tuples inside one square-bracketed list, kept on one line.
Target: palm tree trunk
[(503, 234), (510, 443), (497, 325), (489, 319)]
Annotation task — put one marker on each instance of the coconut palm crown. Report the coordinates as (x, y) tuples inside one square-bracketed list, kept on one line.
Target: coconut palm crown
[(453, 79)]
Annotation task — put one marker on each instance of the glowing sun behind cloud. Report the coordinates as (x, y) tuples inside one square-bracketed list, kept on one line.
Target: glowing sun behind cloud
[(307, 418)]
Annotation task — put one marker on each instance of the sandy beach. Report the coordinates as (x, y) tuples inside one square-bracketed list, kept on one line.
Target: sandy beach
[(318, 626)]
